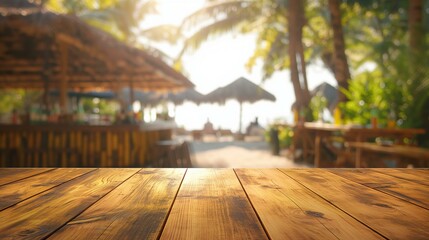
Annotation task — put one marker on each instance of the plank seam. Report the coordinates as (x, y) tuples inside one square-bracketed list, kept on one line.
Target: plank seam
[(335, 205), (253, 207), (404, 179), (171, 207), (45, 189), (49, 170), (387, 193), (79, 213)]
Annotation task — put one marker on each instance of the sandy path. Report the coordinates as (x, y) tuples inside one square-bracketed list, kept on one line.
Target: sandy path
[(237, 155)]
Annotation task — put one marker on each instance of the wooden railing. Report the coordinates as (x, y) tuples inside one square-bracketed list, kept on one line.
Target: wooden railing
[(77, 146)]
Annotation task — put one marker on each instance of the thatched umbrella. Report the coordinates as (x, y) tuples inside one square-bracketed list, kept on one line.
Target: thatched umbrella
[(177, 98), (42, 49), (241, 90), (327, 91), (190, 94)]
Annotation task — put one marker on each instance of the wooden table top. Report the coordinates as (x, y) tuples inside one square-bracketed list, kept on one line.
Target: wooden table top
[(352, 129), (401, 150), (214, 203)]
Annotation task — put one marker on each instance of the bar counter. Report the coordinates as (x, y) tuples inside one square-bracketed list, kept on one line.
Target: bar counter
[(70, 145)]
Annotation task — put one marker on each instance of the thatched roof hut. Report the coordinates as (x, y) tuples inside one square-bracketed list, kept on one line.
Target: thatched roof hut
[(42, 49)]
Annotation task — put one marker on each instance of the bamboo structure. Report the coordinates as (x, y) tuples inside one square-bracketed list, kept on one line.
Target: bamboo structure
[(78, 146)]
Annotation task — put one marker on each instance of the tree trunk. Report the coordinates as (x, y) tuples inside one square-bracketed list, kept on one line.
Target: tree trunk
[(418, 115), (294, 76), (303, 70), (342, 73), (295, 24), (415, 20)]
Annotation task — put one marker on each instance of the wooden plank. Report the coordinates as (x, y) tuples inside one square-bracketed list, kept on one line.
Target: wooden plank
[(39, 216), (135, 210), (8, 175), (18, 191), (212, 204), (288, 210), (403, 189), (419, 176), (402, 150), (389, 216)]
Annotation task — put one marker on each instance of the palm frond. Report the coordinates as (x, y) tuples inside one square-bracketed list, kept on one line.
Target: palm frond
[(219, 27), (165, 32), (276, 58), (214, 11), (145, 9)]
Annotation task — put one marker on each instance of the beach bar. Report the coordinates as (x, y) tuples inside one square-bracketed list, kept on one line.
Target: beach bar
[(45, 51)]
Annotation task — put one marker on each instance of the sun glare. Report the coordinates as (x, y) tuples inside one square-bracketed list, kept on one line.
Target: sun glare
[(174, 11)]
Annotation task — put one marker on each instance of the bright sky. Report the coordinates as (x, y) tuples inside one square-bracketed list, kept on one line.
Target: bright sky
[(219, 62)]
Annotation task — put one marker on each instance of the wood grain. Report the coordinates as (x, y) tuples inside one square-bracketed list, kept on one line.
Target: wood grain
[(8, 175), (403, 189), (212, 204), (290, 211), (418, 176), (39, 216), (15, 192), (135, 210), (389, 216)]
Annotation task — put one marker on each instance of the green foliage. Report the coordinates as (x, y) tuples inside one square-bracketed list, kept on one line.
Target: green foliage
[(285, 135), (18, 99), (365, 93), (318, 104), (100, 106), (11, 99), (380, 36)]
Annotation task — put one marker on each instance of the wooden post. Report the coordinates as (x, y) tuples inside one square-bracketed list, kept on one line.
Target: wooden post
[(131, 93), (358, 160), (241, 117), (142, 111), (63, 58), (45, 96), (317, 149)]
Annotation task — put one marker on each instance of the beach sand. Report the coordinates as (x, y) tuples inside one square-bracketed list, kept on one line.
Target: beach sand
[(238, 155)]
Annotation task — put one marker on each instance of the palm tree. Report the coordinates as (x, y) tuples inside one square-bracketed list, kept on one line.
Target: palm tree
[(296, 53), (270, 19), (419, 74), (341, 70), (122, 19), (416, 37)]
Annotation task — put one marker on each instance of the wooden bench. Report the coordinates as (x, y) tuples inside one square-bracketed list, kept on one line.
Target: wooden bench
[(400, 151)]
